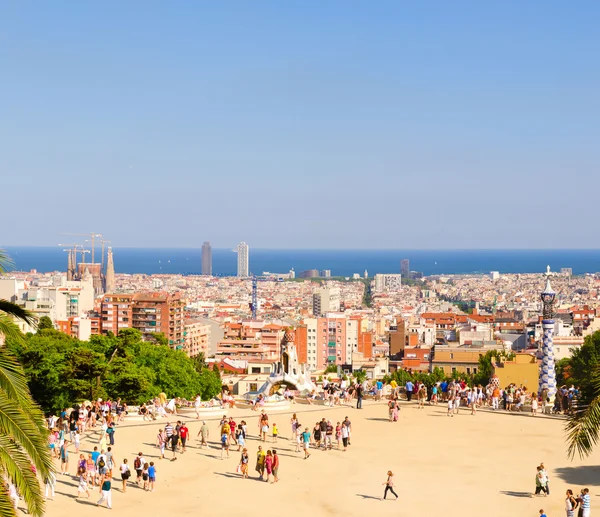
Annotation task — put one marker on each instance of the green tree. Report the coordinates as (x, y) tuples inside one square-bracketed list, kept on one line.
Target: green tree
[(44, 323), (360, 376), (23, 437), (199, 362), (210, 384)]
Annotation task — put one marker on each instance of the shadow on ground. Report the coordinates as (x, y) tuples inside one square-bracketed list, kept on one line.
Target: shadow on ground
[(364, 496), (584, 476), (516, 494)]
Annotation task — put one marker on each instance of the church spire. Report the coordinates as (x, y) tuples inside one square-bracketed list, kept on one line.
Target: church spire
[(109, 279)]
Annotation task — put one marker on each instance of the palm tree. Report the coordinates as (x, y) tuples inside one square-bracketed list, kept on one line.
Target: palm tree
[(23, 436), (583, 424)]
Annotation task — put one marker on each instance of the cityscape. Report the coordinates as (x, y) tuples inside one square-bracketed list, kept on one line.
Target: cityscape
[(308, 257)]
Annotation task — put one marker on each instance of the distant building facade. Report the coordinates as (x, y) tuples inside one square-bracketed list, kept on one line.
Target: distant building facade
[(388, 282), (243, 252), (206, 259), (326, 299), (405, 268)]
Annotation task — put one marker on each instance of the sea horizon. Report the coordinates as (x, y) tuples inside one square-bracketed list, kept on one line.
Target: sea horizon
[(341, 262)]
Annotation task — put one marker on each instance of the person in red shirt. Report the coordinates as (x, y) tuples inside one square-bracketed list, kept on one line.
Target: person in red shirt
[(183, 434), (232, 426)]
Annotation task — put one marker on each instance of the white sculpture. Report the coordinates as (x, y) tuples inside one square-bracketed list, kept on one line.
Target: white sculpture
[(289, 370)]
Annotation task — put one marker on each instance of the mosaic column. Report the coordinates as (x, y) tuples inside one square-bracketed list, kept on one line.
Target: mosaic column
[(547, 371)]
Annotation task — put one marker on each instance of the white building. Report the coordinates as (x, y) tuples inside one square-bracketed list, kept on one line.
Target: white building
[(326, 299), (311, 342), (59, 301), (390, 282), (243, 252), (494, 275)]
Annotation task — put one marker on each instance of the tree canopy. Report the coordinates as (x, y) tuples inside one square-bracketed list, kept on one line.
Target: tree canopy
[(62, 370)]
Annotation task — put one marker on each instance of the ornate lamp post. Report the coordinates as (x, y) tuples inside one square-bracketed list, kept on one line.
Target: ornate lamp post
[(547, 379)]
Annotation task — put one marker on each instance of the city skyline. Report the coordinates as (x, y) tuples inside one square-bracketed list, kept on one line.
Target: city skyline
[(430, 114)]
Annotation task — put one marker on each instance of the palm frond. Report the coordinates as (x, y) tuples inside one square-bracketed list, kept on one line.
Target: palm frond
[(17, 467), (15, 424), (6, 507), (14, 384), (583, 425), (18, 312), (9, 329), (6, 263)]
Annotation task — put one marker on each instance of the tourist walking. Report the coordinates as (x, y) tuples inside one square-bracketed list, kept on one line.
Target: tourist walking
[(183, 434), (105, 490), (359, 396), (50, 482), (174, 442), (64, 457), (151, 476), (570, 503), (203, 433), (161, 442), (269, 465), (244, 463), (83, 486), (345, 434), (534, 404), (389, 485), (545, 473), (275, 466), (540, 482), (306, 442), (294, 423), (125, 473), (260, 462), (585, 502), (138, 465), (409, 387)]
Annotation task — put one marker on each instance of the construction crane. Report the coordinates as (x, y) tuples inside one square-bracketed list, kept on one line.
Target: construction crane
[(72, 258), (92, 240), (103, 241), (73, 249)]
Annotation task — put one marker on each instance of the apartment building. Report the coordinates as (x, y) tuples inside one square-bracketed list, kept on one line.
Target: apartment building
[(326, 299), (81, 328), (196, 337), (160, 312), (116, 312), (250, 341)]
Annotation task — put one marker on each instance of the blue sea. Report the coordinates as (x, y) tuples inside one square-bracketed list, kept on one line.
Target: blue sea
[(340, 262)]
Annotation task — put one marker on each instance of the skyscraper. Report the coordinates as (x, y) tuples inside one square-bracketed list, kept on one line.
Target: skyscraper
[(243, 252), (206, 258), (405, 268)]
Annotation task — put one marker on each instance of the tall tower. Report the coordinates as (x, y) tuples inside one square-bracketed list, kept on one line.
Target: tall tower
[(243, 252), (206, 259), (109, 278), (547, 379), (405, 268)]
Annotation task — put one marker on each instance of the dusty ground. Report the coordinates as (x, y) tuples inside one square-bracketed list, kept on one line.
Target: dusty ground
[(465, 466)]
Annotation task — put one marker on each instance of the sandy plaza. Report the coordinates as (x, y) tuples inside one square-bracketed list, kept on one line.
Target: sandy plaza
[(460, 466)]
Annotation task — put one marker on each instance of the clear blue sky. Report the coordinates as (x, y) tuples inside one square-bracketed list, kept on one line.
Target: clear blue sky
[(306, 124)]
